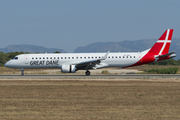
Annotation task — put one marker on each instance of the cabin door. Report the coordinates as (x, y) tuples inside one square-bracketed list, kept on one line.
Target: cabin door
[(26, 59)]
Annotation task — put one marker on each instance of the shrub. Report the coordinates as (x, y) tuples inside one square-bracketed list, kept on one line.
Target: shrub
[(171, 70), (105, 72)]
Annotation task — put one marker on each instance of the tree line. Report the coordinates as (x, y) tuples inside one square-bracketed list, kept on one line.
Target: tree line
[(171, 70), (166, 62), (4, 57)]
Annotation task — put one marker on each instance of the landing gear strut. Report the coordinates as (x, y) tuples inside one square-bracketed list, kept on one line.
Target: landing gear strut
[(22, 73), (88, 73)]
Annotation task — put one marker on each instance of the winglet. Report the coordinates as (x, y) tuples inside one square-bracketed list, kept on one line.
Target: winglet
[(105, 56)]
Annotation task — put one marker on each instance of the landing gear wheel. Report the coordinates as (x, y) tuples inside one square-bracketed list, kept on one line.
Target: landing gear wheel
[(88, 73), (22, 73)]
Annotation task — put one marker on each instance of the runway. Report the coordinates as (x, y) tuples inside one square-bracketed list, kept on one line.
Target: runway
[(63, 76)]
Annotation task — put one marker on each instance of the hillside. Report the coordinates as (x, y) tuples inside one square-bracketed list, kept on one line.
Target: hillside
[(29, 48), (124, 46), (127, 46)]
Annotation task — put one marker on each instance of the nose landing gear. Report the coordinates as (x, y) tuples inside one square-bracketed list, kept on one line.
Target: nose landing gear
[(22, 73)]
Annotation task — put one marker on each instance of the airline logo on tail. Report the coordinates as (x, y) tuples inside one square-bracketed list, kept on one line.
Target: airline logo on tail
[(166, 40), (159, 51), (161, 47)]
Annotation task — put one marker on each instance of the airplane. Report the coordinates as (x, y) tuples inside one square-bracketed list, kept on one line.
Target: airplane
[(71, 62)]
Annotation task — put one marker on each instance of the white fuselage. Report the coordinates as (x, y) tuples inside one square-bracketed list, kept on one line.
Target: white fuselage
[(56, 60)]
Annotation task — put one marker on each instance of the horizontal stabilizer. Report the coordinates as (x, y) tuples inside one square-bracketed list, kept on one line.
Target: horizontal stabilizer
[(169, 54)]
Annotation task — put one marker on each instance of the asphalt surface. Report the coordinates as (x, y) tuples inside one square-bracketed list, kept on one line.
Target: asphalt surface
[(127, 76)]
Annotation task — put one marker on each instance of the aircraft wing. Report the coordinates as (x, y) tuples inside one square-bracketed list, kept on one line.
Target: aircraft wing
[(91, 63), (169, 54)]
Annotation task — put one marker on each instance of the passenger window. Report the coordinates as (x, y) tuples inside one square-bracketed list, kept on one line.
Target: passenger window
[(57, 57), (54, 57), (76, 57), (47, 57), (84, 57), (32, 58), (61, 57), (36, 58), (68, 57), (116, 56), (43, 57), (39, 57), (99, 57), (112, 57), (72, 57), (126, 56), (119, 56), (95, 57), (64, 57), (88, 57), (92, 57), (134, 56), (50, 57), (109, 57), (81, 57)]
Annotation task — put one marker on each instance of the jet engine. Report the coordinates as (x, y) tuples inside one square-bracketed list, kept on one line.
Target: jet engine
[(68, 68)]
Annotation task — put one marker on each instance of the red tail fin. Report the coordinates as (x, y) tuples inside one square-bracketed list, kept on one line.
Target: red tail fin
[(159, 51), (162, 45)]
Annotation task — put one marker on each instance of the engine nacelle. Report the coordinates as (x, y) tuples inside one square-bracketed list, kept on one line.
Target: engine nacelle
[(68, 68)]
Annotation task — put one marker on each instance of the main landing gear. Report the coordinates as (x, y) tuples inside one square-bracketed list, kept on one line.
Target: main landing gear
[(22, 73), (87, 73)]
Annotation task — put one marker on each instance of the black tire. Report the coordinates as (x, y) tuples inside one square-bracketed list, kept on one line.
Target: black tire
[(88, 73), (22, 73)]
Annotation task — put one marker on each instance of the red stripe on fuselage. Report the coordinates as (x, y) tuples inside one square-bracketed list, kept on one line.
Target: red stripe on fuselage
[(148, 58)]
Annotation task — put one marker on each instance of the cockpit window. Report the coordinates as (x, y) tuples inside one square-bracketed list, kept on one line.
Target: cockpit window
[(15, 58)]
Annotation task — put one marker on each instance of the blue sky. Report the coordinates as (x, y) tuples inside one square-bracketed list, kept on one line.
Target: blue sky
[(68, 24)]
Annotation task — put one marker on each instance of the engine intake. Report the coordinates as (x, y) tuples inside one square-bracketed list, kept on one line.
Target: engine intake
[(68, 69)]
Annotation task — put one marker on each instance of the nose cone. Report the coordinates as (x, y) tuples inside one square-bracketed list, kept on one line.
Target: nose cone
[(6, 64)]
